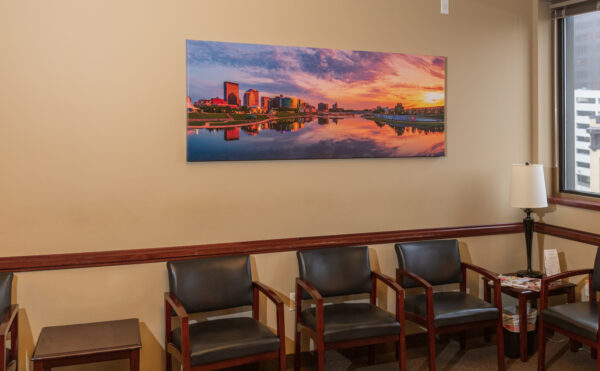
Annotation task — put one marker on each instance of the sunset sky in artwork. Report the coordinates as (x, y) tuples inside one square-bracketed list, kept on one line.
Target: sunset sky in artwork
[(353, 79)]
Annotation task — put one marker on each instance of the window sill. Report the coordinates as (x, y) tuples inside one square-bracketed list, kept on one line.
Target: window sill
[(582, 203)]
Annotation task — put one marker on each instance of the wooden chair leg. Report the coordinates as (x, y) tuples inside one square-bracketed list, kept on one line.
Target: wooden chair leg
[(594, 353), (297, 345), (597, 362), (401, 349), (169, 362), (431, 348), (371, 354), (541, 347), (463, 340), (14, 343), (500, 344), (282, 358), (320, 354)]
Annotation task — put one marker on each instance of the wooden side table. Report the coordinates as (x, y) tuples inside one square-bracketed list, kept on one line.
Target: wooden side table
[(523, 295), (87, 343)]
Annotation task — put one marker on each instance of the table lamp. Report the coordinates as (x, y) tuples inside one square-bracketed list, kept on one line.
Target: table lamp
[(528, 191)]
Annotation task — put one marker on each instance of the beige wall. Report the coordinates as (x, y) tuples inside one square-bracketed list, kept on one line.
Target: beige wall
[(92, 144)]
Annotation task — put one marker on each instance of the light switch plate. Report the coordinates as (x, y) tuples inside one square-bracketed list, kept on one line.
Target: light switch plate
[(445, 6)]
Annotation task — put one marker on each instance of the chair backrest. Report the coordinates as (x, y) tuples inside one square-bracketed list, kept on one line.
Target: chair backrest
[(336, 271), (437, 262), (209, 284), (596, 275), (6, 279)]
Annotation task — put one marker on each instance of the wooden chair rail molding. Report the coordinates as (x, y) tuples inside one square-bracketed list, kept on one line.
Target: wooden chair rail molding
[(567, 233), (139, 256)]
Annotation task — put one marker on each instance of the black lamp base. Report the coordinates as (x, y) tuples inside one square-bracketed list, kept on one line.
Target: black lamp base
[(530, 274)]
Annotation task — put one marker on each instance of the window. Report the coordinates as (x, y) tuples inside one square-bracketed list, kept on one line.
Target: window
[(584, 179), (578, 96), (583, 151), (585, 100)]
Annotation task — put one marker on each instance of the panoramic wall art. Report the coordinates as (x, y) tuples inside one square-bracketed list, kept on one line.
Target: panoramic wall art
[(263, 102)]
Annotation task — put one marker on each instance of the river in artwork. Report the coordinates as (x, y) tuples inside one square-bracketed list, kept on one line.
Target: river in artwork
[(350, 136)]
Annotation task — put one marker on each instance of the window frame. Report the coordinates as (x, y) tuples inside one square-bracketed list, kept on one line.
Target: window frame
[(560, 194)]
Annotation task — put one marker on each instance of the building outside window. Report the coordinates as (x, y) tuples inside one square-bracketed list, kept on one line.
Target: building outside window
[(578, 93)]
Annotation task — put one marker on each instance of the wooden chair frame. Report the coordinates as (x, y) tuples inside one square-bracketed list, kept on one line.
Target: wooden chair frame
[(318, 335), (10, 323), (428, 322), (184, 356), (576, 340)]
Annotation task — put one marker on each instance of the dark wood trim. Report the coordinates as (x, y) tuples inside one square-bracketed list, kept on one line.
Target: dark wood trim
[(138, 256), (567, 233), (582, 203)]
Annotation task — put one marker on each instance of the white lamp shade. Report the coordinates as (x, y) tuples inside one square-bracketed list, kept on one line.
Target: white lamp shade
[(527, 186)]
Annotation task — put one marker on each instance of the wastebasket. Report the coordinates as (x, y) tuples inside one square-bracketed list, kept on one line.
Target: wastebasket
[(512, 327)]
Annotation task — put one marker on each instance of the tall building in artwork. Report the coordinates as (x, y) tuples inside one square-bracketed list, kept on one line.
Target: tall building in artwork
[(264, 103), (289, 102), (251, 98), (276, 102), (324, 107), (231, 92)]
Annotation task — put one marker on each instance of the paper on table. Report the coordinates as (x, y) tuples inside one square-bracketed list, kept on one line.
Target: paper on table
[(551, 263)]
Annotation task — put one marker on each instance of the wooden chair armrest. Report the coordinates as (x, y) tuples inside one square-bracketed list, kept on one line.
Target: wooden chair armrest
[(420, 281), (310, 289), (375, 276), (562, 275), (488, 275), (8, 319), (176, 305), (484, 272), (388, 281), (269, 293), (547, 280), (318, 298)]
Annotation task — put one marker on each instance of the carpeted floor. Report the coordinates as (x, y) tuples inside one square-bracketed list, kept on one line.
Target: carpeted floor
[(479, 355)]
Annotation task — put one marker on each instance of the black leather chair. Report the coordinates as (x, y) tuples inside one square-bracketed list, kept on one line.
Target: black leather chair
[(9, 324), (344, 271), (429, 263), (579, 321), (209, 284)]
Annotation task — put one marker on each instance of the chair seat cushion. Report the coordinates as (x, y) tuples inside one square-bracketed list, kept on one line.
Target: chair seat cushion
[(580, 318), (452, 308), (348, 321), (221, 339)]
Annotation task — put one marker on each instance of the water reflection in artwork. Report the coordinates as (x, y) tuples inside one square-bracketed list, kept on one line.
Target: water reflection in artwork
[(315, 137)]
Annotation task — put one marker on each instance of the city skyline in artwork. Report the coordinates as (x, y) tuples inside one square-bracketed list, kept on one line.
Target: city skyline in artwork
[(257, 102), (353, 79)]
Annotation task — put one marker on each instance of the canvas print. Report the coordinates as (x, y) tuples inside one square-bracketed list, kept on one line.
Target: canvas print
[(264, 102)]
